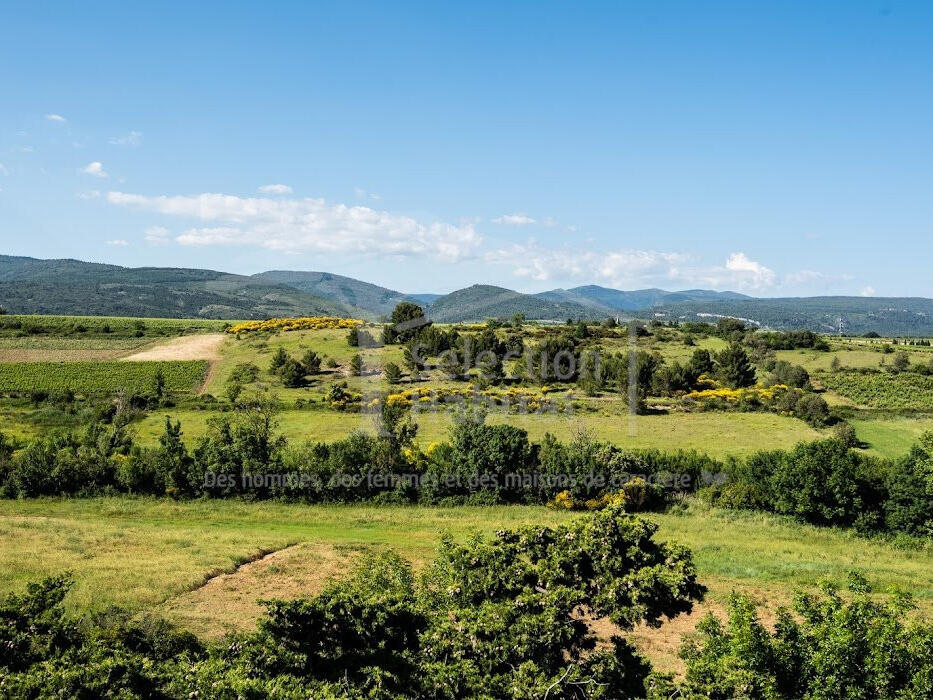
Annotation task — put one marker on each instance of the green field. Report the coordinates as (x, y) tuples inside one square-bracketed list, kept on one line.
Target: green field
[(891, 436), (147, 554), (717, 434), (906, 390), (100, 377)]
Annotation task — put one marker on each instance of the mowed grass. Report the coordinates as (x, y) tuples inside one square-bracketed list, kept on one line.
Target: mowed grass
[(717, 434), (891, 436), (152, 554), (140, 552)]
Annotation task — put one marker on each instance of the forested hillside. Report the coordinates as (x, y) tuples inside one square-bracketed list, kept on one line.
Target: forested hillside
[(32, 286), (892, 316)]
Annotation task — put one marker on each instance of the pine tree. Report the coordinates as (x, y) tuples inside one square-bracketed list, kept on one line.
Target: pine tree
[(733, 367)]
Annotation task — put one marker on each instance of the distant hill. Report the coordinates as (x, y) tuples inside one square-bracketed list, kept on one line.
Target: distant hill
[(617, 300), (73, 287), (483, 301), (424, 299), (33, 286), (379, 301), (892, 316)]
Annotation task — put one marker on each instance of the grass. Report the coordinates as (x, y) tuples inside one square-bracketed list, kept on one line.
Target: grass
[(891, 436), (156, 554), (717, 434)]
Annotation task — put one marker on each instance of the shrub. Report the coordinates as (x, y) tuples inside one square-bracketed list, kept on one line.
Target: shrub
[(830, 648), (909, 507), (826, 483), (392, 373)]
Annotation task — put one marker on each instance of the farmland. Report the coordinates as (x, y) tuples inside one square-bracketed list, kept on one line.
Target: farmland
[(100, 377), (147, 554), (203, 559)]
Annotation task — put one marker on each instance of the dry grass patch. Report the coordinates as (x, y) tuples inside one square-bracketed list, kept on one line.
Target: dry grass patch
[(230, 602)]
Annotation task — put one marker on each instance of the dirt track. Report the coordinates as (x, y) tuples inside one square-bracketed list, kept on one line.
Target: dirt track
[(187, 347)]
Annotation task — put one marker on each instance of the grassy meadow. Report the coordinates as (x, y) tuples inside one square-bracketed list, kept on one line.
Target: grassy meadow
[(182, 559), (206, 564)]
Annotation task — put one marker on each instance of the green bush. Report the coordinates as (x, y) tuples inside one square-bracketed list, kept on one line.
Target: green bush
[(826, 647)]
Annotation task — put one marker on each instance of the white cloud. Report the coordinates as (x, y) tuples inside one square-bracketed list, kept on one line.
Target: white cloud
[(56, 118), (157, 235), (748, 273), (276, 189), (4, 170), (631, 267), (94, 168), (614, 267), (89, 194), (133, 138), (868, 291), (364, 194), (514, 220), (291, 225), (118, 242)]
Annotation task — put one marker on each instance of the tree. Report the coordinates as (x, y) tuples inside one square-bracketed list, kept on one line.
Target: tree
[(356, 365), (278, 359), (490, 367), (451, 364), (353, 337), (233, 389), (591, 379), (788, 374), (292, 373), (392, 373), (406, 322), (412, 356), (830, 646), (901, 362), (159, 383), (311, 362), (172, 460), (701, 362), (733, 367), (394, 424)]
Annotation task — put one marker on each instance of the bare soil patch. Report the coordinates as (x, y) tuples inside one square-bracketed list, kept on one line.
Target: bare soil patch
[(229, 602), (204, 346)]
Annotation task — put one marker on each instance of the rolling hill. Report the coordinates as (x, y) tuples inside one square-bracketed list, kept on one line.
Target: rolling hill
[(611, 300), (482, 301), (73, 287), (891, 316), (34, 286), (377, 300)]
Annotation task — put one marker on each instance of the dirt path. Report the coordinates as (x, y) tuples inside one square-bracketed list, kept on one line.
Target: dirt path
[(187, 347)]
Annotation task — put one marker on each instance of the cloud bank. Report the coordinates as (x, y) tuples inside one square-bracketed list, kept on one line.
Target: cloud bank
[(300, 225)]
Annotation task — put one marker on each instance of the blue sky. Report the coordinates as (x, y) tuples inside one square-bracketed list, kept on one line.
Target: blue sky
[(775, 148)]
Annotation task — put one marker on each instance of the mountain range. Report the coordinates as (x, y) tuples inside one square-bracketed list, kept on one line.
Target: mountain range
[(73, 287)]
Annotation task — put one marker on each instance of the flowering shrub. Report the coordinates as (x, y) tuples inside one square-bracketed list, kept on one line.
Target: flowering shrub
[(308, 323), (514, 398)]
